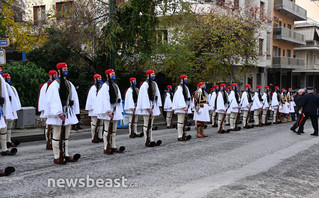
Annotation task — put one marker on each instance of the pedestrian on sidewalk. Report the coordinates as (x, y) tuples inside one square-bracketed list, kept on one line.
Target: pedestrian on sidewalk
[(309, 105)]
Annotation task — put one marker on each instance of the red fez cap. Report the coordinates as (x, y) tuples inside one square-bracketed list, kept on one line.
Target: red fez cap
[(212, 89), (132, 78), (52, 72), (61, 65), (6, 75), (149, 72), (266, 87), (289, 89), (247, 85), (1, 68), (215, 86), (169, 86), (183, 76), (283, 89), (200, 84), (229, 87), (109, 71), (276, 87), (258, 86), (222, 85), (96, 76), (234, 84)]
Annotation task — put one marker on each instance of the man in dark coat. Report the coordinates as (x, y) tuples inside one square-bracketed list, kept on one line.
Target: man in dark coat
[(310, 105), (298, 101)]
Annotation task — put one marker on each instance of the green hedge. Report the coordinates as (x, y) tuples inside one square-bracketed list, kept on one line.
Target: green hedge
[(26, 78)]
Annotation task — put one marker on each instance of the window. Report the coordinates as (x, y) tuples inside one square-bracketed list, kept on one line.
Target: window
[(161, 36), (261, 44), (262, 9), (288, 53), (284, 25), (289, 26), (64, 10), (39, 17), (283, 52), (279, 51), (220, 2)]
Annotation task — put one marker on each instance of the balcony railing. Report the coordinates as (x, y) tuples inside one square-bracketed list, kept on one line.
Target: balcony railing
[(288, 63), (291, 9), (289, 35), (312, 43)]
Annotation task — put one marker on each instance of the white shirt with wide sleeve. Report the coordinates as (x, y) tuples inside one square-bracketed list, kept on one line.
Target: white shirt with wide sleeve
[(129, 101), (179, 102), (233, 102), (244, 102), (54, 106), (90, 100), (103, 105), (265, 102), (212, 101), (168, 104), (221, 106), (5, 109), (257, 104), (274, 101), (144, 103)]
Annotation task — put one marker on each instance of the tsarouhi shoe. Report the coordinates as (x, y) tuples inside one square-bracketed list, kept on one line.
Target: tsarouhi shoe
[(13, 143), (120, 150), (12, 152), (7, 171), (75, 158)]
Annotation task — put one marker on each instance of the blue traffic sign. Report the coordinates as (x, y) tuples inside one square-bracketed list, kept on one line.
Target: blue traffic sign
[(4, 42)]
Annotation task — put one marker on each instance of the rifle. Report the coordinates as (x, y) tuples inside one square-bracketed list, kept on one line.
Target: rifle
[(95, 138), (62, 141), (132, 126), (171, 125), (260, 116), (110, 150), (184, 137), (49, 145), (221, 124), (237, 120), (149, 126)]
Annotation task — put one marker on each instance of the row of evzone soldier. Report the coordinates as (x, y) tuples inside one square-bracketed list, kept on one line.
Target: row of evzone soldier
[(9, 105), (58, 103), (224, 105)]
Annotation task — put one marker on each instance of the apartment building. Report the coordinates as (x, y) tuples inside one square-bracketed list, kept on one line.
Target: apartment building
[(285, 39), (308, 76), (312, 7)]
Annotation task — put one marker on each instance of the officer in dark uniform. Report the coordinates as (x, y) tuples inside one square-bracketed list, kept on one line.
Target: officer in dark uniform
[(310, 105)]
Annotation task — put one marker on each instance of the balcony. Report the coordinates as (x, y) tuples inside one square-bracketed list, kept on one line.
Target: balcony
[(310, 45), (291, 10), (288, 63), (285, 34)]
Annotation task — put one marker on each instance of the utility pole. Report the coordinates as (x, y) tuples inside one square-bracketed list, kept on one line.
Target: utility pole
[(112, 24)]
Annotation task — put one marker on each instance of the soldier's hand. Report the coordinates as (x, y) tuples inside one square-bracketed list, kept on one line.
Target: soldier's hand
[(111, 115), (62, 117), (150, 111), (133, 109), (185, 109)]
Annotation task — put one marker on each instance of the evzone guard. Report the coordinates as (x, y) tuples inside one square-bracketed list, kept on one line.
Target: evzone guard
[(234, 101), (53, 74), (201, 113), (227, 119), (257, 106), (5, 113), (15, 107), (275, 102), (222, 107), (148, 105), (130, 103), (182, 107), (291, 103), (284, 108), (246, 103), (61, 109), (96, 124), (109, 109), (266, 105), (168, 106), (212, 103)]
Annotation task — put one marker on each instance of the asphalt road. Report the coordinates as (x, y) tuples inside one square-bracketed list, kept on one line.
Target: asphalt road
[(261, 162)]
